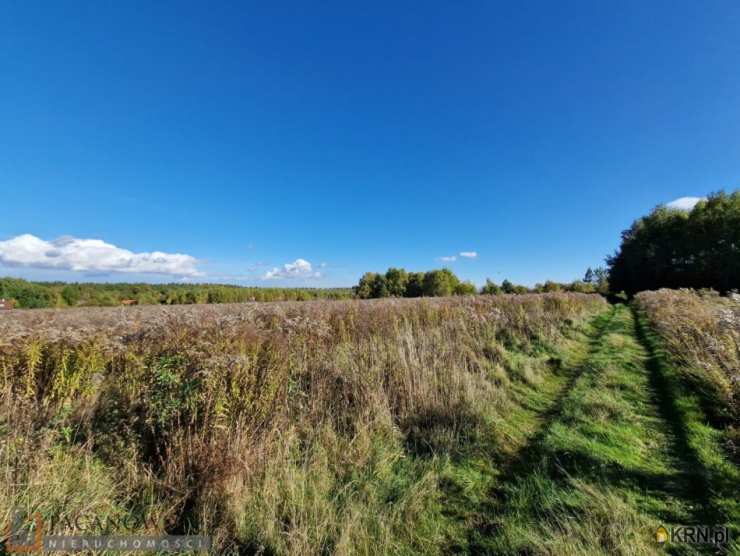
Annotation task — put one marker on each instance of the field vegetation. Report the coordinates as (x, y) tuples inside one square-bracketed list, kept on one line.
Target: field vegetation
[(346, 427), (696, 338), (699, 333), (540, 424), (606, 468)]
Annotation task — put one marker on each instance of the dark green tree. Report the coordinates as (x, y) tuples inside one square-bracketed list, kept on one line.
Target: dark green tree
[(380, 287), (439, 283), (396, 280), (507, 287), (415, 285), (490, 288), (364, 289)]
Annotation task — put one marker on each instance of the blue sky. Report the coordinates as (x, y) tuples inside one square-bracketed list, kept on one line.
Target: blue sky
[(353, 137)]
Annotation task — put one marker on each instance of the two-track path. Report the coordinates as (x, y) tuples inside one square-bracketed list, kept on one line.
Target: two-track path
[(607, 466)]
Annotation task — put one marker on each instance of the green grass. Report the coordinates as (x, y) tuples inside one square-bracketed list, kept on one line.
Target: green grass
[(713, 475), (608, 466), (482, 427), (468, 479)]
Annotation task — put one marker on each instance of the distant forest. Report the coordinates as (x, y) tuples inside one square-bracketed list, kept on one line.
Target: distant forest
[(394, 283), (32, 295)]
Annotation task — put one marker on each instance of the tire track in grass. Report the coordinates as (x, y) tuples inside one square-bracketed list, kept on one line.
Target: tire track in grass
[(529, 452), (694, 479), (709, 474), (466, 482), (606, 468)]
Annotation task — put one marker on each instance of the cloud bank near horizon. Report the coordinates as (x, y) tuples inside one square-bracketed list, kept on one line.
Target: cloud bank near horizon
[(91, 255)]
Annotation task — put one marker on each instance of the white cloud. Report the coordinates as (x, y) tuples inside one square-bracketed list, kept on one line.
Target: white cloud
[(469, 254), (300, 268), (91, 255), (685, 203), (449, 259)]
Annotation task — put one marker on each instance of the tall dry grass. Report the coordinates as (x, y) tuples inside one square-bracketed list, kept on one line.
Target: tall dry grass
[(700, 333), (281, 428)]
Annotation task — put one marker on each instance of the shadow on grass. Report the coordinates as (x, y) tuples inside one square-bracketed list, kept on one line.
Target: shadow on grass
[(543, 474), (456, 432), (665, 391), (532, 456)]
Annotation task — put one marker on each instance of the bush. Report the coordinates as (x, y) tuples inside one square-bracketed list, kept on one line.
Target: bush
[(26, 294), (465, 288)]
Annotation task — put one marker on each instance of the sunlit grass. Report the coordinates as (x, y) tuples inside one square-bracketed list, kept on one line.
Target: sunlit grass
[(346, 427)]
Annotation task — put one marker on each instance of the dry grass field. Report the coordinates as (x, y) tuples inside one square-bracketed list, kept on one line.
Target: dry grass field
[(507, 424), (280, 428), (700, 333)]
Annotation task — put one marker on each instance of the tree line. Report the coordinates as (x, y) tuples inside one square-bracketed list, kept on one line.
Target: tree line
[(32, 295), (397, 282), (672, 248)]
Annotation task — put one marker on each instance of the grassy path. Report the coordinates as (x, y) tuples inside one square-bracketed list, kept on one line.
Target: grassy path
[(606, 466)]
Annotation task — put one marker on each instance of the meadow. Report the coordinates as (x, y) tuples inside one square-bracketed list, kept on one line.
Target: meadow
[(499, 424), (277, 428)]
